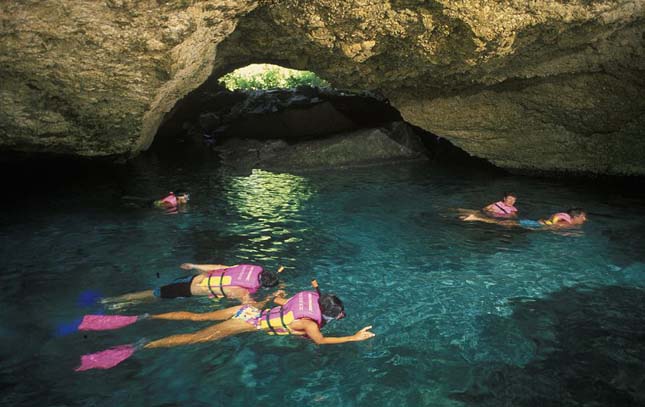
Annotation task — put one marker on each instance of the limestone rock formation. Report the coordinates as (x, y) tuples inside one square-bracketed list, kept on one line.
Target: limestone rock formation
[(395, 142), (534, 85)]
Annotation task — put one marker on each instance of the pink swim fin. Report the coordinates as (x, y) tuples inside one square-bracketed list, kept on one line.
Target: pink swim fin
[(106, 359), (106, 322)]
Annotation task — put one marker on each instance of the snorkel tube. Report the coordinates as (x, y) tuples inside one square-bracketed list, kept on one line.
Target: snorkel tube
[(314, 284)]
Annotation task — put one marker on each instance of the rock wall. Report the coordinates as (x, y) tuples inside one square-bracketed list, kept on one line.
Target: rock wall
[(395, 142), (531, 85), (96, 78)]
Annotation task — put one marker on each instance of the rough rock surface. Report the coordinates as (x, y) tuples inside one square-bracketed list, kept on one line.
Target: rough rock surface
[(396, 142), (541, 84)]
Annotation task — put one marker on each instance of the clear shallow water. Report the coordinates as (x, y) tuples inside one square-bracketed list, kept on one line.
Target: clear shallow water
[(465, 314)]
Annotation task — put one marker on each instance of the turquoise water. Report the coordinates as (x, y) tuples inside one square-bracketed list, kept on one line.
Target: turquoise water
[(464, 314)]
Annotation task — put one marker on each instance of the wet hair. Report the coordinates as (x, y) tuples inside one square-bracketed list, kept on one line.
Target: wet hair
[(510, 193), (269, 279), (330, 305), (573, 212), (180, 193)]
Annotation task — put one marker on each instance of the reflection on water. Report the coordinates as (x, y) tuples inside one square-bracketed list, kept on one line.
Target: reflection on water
[(270, 207), (268, 197)]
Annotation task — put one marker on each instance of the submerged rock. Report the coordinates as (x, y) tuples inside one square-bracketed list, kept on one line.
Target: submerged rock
[(540, 85)]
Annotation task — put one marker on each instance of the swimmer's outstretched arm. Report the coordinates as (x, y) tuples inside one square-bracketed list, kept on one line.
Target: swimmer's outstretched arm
[(313, 332), (203, 267), (489, 208), (277, 297)]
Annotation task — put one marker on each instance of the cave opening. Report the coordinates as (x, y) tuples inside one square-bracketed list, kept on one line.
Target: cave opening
[(271, 117)]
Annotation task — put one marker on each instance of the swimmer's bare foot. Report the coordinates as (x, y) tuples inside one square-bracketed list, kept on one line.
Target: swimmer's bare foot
[(470, 217)]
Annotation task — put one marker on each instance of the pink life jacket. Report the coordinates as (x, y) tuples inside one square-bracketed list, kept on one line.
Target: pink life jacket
[(243, 275), (302, 305), (561, 216), (501, 209), (171, 200)]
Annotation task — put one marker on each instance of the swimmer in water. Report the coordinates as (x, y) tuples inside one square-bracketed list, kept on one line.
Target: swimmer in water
[(172, 200), (571, 218), (214, 280), (504, 208), (304, 314)]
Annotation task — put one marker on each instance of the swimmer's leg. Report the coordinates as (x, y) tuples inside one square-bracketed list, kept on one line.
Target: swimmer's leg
[(469, 215), (212, 333), (220, 315), (138, 296), (463, 212)]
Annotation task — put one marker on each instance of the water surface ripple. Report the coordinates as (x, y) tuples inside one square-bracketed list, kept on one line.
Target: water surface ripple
[(465, 314)]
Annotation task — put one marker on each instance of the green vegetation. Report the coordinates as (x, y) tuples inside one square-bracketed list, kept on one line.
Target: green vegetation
[(265, 76)]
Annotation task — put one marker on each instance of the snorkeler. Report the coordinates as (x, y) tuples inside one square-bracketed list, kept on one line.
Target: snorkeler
[(214, 280), (571, 218), (304, 314), (171, 202), (504, 208)]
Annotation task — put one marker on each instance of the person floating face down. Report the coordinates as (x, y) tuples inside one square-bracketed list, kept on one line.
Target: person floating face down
[(503, 209), (238, 283), (304, 314)]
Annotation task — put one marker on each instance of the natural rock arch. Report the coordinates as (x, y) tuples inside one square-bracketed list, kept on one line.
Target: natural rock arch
[(536, 85)]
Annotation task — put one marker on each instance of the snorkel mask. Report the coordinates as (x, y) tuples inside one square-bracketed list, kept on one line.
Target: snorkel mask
[(335, 308), (341, 315)]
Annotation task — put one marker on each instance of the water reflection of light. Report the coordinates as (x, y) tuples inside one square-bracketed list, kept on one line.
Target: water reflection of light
[(267, 196), (270, 207)]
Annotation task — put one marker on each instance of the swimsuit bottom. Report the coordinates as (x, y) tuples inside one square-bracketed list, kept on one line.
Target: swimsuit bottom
[(249, 314), (180, 287), (531, 224)]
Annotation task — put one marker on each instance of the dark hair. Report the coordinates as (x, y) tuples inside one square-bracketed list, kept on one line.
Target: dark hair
[(509, 193), (178, 193), (269, 279), (573, 212), (330, 305)]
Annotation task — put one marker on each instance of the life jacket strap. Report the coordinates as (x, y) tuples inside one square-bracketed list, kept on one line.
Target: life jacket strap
[(221, 283), (269, 322), (282, 320), (503, 210), (209, 285), (221, 288)]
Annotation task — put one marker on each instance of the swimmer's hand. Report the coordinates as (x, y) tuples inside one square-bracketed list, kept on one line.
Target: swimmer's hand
[(364, 334), (279, 293), (187, 266)]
